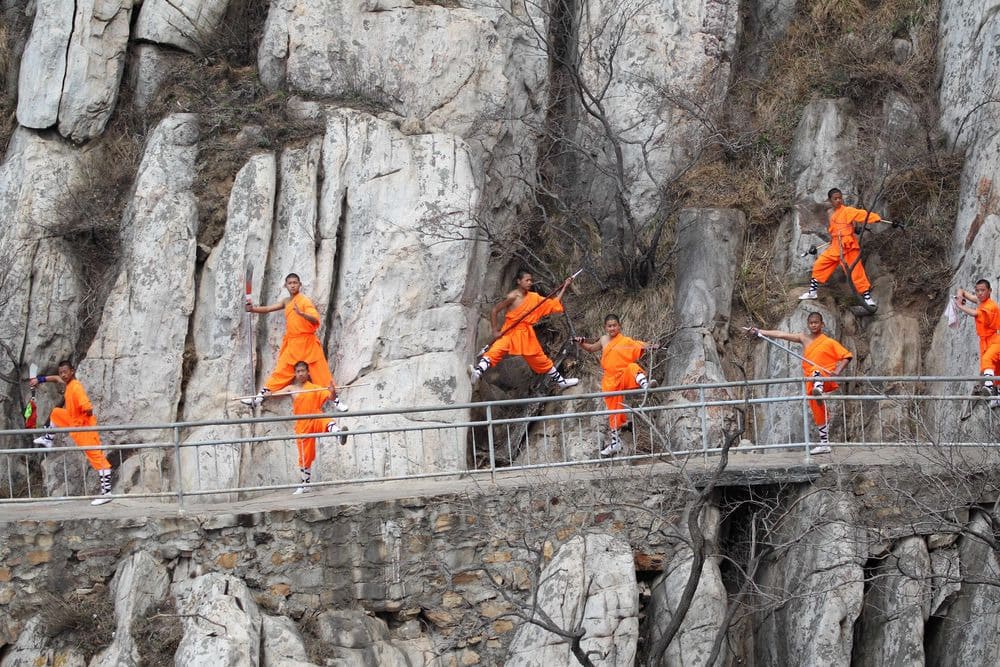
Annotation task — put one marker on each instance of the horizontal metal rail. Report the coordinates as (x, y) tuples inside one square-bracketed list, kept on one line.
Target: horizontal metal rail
[(666, 423)]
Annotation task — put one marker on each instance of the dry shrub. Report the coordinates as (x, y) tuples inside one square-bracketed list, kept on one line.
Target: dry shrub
[(158, 635), (89, 214), (14, 27), (843, 48), (85, 621)]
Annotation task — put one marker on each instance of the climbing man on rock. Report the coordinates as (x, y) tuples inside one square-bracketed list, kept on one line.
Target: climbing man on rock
[(844, 249), (77, 411), (523, 309), (619, 355), (987, 315), (308, 399), (822, 356), (299, 344)]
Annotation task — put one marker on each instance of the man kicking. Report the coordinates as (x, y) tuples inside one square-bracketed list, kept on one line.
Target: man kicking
[(524, 308)]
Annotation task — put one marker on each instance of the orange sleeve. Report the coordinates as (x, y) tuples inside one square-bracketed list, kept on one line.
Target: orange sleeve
[(861, 215)]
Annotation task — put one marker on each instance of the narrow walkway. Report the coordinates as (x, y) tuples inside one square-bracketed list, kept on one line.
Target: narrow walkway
[(746, 467)]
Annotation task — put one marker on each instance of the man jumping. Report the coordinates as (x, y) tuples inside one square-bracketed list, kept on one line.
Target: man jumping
[(523, 309)]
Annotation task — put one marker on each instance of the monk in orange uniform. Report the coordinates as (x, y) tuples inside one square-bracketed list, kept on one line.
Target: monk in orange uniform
[(308, 399), (823, 357), (299, 344), (524, 309), (77, 411), (987, 316), (621, 372), (844, 249)]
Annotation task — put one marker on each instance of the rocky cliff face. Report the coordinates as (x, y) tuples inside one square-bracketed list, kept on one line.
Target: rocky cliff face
[(401, 156)]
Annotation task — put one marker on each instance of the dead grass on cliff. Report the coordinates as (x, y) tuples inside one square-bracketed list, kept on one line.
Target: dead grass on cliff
[(844, 48), (158, 635), (85, 621)]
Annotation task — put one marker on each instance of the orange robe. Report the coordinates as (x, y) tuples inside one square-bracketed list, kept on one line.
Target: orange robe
[(521, 339), (988, 330), (844, 248), (823, 354), (618, 361), (74, 413), (310, 403), (299, 344)]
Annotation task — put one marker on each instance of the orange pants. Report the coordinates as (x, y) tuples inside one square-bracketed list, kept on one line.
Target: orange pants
[(626, 381), (528, 348), (818, 408), (61, 418), (293, 350), (307, 446), (830, 259), (989, 359)]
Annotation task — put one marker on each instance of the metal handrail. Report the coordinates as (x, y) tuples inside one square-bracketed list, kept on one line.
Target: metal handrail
[(657, 401)]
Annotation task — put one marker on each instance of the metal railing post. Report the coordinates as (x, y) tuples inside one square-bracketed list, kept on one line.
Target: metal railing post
[(805, 416), (704, 423), (489, 440), (177, 466)]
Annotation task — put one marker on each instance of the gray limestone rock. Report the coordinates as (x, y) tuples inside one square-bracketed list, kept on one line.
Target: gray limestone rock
[(967, 634), (222, 328), (397, 319), (589, 584), (133, 366), (222, 626), (185, 24), (139, 585), (43, 64), (825, 143), (815, 586), (282, 643), (149, 69), (708, 246), (40, 287), (95, 62), (897, 604), (705, 617), (32, 649)]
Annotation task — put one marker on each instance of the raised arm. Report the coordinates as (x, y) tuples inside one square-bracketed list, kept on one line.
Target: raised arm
[(260, 310), (562, 288), (782, 335)]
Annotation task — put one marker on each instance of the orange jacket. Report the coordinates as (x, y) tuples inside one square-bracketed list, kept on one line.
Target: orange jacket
[(616, 357), (531, 299), (310, 403), (295, 324), (77, 405), (842, 223), (823, 353), (987, 323)]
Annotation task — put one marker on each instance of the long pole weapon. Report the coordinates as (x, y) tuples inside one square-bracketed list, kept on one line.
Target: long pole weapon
[(788, 350)]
